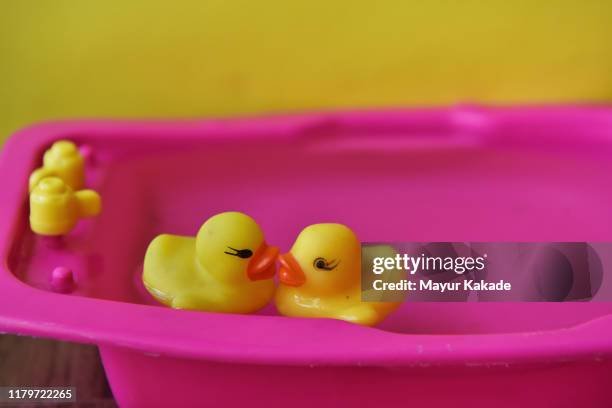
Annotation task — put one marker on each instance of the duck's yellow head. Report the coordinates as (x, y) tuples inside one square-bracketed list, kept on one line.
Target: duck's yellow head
[(325, 258), (231, 245)]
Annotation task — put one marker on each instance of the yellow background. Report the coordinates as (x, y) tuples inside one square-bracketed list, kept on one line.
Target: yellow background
[(111, 58)]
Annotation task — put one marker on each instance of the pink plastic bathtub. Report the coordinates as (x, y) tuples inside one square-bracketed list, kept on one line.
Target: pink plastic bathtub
[(460, 174)]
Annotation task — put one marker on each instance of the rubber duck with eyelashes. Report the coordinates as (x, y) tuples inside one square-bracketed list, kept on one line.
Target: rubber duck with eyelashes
[(321, 277), (227, 267)]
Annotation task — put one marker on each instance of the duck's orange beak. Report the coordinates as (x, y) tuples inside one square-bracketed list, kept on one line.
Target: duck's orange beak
[(290, 271), (262, 265)]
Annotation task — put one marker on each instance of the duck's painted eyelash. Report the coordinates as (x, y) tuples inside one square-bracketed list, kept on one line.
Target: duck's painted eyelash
[(240, 253), (321, 263)]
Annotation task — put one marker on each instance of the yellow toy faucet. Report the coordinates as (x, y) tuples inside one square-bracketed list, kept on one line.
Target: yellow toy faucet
[(62, 160), (228, 267), (55, 208)]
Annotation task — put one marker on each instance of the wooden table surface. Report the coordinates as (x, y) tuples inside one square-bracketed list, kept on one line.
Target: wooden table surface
[(26, 361)]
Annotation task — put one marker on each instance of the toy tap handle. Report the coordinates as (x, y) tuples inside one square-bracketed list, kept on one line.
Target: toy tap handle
[(89, 203), (38, 175)]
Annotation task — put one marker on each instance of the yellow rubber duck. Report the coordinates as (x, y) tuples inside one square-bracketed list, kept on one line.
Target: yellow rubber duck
[(62, 160), (321, 277), (227, 267)]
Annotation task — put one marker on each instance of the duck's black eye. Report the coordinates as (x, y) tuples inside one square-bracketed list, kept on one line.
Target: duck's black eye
[(323, 264), (240, 253)]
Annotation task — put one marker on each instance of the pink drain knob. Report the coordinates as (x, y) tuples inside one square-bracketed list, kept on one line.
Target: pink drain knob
[(62, 280)]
